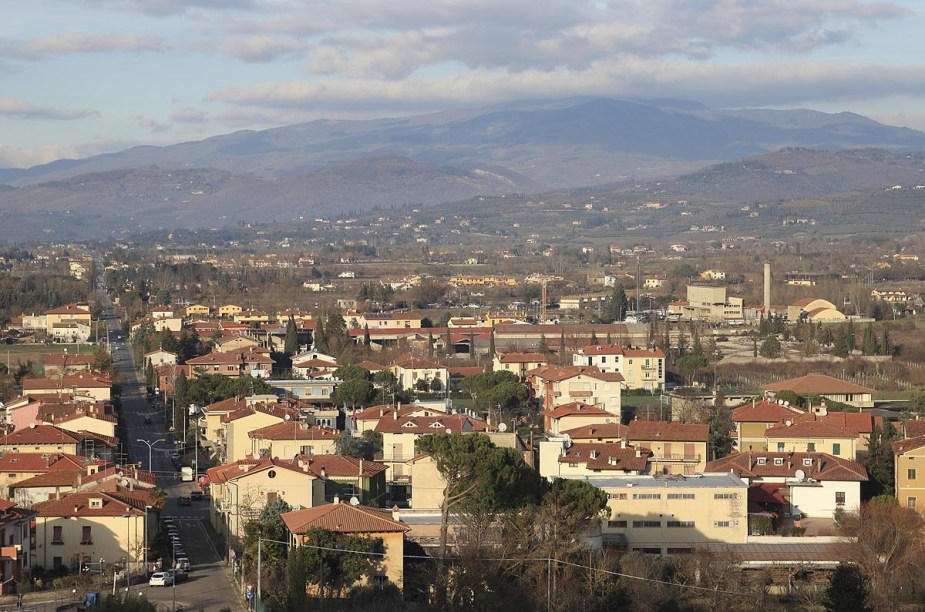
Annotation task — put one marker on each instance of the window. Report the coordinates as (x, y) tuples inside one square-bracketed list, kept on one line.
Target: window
[(722, 523), (839, 498), (762, 460), (811, 447), (616, 496), (780, 449), (911, 502), (778, 461), (56, 535), (85, 537), (639, 524), (725, 495), (680, 496), (807, 462), (680, 523), (616, 524), (836, 448), (573, 464), (647, 495), (379, 581), (910, 473)]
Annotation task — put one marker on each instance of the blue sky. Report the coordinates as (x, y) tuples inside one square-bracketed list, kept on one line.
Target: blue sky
[(82, 77)]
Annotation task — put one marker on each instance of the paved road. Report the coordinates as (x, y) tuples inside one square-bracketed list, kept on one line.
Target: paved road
[(208, 588)]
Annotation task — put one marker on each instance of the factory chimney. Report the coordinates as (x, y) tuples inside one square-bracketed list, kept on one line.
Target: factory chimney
[(767, 289)]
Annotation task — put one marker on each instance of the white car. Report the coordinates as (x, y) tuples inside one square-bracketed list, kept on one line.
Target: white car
[(183, 563), (161, 579)]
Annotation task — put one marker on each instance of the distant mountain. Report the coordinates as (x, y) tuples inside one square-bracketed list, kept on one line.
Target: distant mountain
[(556, 143), (97, 204), (328, 167)]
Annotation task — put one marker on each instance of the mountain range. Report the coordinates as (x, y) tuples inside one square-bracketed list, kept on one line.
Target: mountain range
[(324, 168)]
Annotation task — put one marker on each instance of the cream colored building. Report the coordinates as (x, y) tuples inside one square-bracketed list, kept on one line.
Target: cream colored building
[(518, 363), (228, 311), (89, 526), (665, 515), (410, 371), (752, 421), (712, 304), (558, 385), (811, 436), (239, 424), (67, 314), (640, 368), (910, 485), (290, 438)]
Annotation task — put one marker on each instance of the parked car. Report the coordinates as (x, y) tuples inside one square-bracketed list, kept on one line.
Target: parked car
[(180, 575), (184, 501), (161, 579), (183, 563), (195, 495)]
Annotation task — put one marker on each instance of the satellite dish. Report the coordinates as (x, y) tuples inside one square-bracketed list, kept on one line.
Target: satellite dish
[(286, 417), (786, 404), (124, 482), (354, 501), (31, 425), (567, 439), (800, 474), (448, 430), (502, 427), (608, 421)]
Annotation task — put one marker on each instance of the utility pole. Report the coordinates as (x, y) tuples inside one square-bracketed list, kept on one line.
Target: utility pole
[(259, 564)]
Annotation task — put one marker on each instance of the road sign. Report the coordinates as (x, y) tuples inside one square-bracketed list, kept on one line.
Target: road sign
[(250, 594)]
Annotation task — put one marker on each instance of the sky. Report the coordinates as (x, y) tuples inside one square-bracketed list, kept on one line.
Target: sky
[(84, 77)]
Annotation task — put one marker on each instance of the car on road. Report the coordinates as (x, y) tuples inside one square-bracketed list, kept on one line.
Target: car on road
[(180, 575), (184, 501), (195, 495), (183, 563), (161, 579)]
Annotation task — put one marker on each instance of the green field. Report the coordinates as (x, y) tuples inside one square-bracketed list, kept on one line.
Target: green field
[(15, 353)]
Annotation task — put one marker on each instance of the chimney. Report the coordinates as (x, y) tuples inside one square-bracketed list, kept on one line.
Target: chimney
[(361, 468), (767, 289), (324, 474), (336, 499), (396, 516), (380, 412), (76, 508), (638, 453), (395, 415)]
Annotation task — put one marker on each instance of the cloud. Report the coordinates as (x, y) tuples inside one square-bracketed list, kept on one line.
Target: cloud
[(26, 157), (65, 44), (263, 48), (169, 8), (152, 125), (770, 83), (188, 114), (23, 109)]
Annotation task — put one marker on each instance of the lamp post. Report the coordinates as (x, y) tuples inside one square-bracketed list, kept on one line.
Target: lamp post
[(151, 446), (145, 554)]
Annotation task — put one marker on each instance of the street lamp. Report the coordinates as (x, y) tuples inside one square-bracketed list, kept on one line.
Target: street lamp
[(151, 446), (145, 554)]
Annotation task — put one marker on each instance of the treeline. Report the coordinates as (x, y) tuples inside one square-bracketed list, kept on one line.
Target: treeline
[(37, 293)]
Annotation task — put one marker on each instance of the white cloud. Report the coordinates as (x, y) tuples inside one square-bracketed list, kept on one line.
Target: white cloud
[(64, 44), (26, 157), (23, 109), (150, 124), (188, 114)]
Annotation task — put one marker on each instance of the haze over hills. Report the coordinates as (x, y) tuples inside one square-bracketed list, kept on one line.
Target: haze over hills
[(324, 168)]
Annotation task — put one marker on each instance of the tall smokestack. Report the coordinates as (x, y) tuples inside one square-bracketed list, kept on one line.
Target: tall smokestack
[(767, 289)]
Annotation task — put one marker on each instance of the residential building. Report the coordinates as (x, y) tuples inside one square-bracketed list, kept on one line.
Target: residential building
[(237, 443), (67, 364), (674, 514), (51, 439), (812, 436), (828, 387), (410, 372), (91, 385), (347, 520), (752, 420), (810, 484), (568, 416), (85, 526), (909, 456), (640, 368), (244, 362), (291, 438), (519, 363), (348, 477), (563, 458), (160, 357), (228, 311), (368, 418), (676, 448), (71, 314), (557, 385), (17, 553)]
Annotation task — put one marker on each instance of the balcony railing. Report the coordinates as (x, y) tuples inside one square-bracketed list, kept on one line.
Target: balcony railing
[(677, 457)]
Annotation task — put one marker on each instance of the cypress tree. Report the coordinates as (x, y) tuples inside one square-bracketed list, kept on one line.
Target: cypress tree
[(291, 345), (320, 341), (491, 344), (366, 339)]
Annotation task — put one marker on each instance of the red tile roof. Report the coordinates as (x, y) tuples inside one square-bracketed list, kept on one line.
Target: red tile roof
[(279, 410), (817, 384), (574, 409), (853, 422), (372, 366), (41, 462), (294, 431), (40, 434), (604, 456), (913, 428), (343, 518), (231, 357), (598, 431), (523, 358), (114, 504), (70, 309), (807, 429), (338, 466), (418, 364), (903, 446), (764, 412), (456, 423), (822, 466), (667, 431)]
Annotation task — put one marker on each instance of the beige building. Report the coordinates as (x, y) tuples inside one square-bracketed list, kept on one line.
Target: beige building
[(828, 387), (640, 368), (558, 385), (812, 436), (518, 363), (88, 526), (228, 311), (569, 416), (198, 310), (752, 420), (290, 438), (675, 448), (666, 515), (66, 315), (814, 309), (345, 520), (410, 371), (562, 458), (712, 304), (237, 443), (909, 458)]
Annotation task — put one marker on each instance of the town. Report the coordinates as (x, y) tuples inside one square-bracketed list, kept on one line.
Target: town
[(243, 428)]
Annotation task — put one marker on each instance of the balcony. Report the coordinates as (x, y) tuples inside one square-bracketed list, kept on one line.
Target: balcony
[(678, 457)]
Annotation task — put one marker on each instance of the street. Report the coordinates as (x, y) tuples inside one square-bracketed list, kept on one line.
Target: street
[(208, 587)]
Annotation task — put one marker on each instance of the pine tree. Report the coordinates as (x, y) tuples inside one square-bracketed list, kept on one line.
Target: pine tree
[(616, 307), (562, 347), (291, 345), (430, 344), (366, 338), (696, 346), (448, 342), (869, 344), (491, 344), (594, 341), (320, 341), (849, 336), (886, 344)]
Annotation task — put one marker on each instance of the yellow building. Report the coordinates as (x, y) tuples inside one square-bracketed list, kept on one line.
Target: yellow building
[(228, 311), (676, 448), (290, 438), (89, 526), (237, 427), (197, 310), (910, 486), (346, 520), (67, 314), (752, 420), (665, 515), (811, 436)]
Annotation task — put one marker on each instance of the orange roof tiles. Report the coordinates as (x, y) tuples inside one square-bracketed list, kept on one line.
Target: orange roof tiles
[(343, 518), (764, 412), (819, 466), (817, 384), (667, 431)]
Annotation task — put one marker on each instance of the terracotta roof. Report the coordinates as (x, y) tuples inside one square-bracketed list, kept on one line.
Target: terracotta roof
[(233, 471), (78, 504), (913, 428), (343, 518), (575, 408), (817, 384), (41, 462), (385, 410), (667, 431), (58, 359), (822, 466), (807, 429), (316, 363), (554, 373), (227, 405), (294, 431), (903, 446), (598, 431), (456, 423), (40, 434), (231, 357), (338, 466), (70, 309), (279, 410), (605, 456), (418, 364), (655, 353), (763, 412), (84, 380), (853, 422), (371, 366), (463, 371)]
